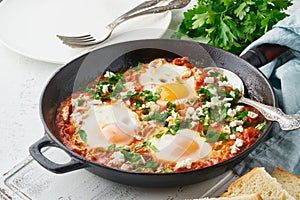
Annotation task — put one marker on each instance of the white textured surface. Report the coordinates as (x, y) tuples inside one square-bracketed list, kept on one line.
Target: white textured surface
[(21, 83)]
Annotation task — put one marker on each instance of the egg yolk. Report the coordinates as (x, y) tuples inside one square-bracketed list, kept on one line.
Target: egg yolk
[(173, 91), (190, 148), (115, 135)]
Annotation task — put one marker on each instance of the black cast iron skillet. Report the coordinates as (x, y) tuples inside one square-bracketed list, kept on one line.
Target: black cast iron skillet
[(81, 71)]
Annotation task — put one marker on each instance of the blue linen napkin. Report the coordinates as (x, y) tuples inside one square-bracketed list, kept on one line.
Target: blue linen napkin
[(282, 148)]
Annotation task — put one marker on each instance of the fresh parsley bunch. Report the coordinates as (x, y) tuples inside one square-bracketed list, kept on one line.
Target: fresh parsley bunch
[(232, 24)]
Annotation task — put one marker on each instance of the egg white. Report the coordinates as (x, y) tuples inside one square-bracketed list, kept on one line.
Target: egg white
[(160, 74), (186, 144), (110, 124)]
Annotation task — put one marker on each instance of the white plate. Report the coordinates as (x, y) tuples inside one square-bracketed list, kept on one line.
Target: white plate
[(30, 27)]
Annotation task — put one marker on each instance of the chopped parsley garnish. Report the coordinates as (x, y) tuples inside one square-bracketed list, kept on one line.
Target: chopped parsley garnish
[(160, 117), (132, 157), (166, 170), (144, 144), (82, 134), (80, 101), (107, 89), (213, 136), (261, 126), (139, 66), (242, 115), (151, 165)]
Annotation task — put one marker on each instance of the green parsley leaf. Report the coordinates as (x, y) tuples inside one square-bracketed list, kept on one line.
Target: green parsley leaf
[(261, 126), (151, 165), (111, 147), (164, 169), (223, 136), (243, 114), (82, 134), (139, 66), (147, 143), (133, 158), (80, 101), (212, 136)]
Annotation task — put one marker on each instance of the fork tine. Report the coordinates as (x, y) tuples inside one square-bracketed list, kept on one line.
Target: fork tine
[(79, 40), (79, 45), (73, 37), (75, 41)]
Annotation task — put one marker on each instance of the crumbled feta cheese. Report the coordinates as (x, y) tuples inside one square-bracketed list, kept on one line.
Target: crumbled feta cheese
[(117, 158), (128, 102), (227, 105), (105, 89), (125, 167), (252, 114), (174, 114), (77, 118), (199, 111), (231, 112), (187, 163), (214, 102), (234, 149), (236, 123), (238, 142), (224, 84), (96, 102), (190, 110), (171, 120), (239, 108), (232, 93), (209, 80), (213, 91), (193, 124), (232, 136), (239, 129), (152, 124), (206, 120), (108, 74), (137, 137), (226, 129), (227, 99), (195, 117)]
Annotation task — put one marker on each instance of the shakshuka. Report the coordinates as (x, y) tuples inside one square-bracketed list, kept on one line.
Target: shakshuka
[(159, 117)]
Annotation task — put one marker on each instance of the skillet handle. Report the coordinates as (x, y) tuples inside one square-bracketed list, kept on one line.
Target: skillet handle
[(265, 53), (35, 151)]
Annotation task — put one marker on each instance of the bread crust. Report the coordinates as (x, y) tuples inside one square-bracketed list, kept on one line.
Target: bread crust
[(242, 197), (289, 181), (258, 181)]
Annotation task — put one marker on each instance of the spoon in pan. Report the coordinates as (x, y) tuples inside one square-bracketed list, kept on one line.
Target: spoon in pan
[(286, 122)]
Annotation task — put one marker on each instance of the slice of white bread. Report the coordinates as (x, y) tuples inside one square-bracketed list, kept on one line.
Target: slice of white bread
[(290, 182), (261, 182), (241, 197)]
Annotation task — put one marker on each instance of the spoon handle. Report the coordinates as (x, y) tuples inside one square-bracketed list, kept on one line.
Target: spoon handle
[(286, 122)]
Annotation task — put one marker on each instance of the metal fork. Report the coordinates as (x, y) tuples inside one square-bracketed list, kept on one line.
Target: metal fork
[(89, 40)]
